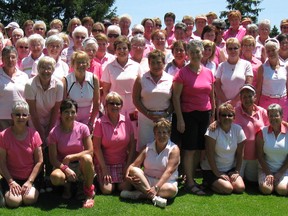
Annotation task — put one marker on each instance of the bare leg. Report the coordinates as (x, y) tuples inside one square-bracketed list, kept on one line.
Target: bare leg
[(188, 166), (12, 201), (168, 190), (238, 185), (31, 197), (222, 186), (144, 185)]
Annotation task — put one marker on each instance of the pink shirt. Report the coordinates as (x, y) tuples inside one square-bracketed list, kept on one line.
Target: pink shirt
[(196, 89), (95, 68), (11, 90), (170, 37), (114, 140), (68, 143), (20, 153), (255, 65), (251, 125), (107, 59), (239, 34), (122, 81), (45, 100)]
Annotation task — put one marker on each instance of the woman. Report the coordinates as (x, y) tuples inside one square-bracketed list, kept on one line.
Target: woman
[(208, 55), (152, 96), (159, 39), (36, 44), (44, 94), (78, 35), (20, 158), (148, 25), (54, 45), (90, 46), (88, 22), (12, 84), (232, 74), (179, 61), (56, 24), (16, 35), (120, 75), (72, 24), (158, 180), (283, 51), (83, 87), (272, 151), (97, 28), (137, 51), (224, 150), (247, 46), (236, 30), (70, 153), (22, 50), (114, 146), (251, 118), (113, 32), (264, 28), (272, 79), (193, 101)]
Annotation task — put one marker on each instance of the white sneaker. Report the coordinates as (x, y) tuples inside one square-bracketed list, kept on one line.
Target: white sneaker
[(134, 195), (159, 201)]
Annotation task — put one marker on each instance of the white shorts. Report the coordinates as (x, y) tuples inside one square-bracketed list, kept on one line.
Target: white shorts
[(262, 176)]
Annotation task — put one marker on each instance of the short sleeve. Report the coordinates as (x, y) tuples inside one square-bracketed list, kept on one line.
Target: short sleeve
[(219, 71), (211, 134), (52, 137), (106, 74), (97, 132), (249, 70), (85, 130), (35, 139), (241, 135), (59, 92), (178, 77), (29, 93)]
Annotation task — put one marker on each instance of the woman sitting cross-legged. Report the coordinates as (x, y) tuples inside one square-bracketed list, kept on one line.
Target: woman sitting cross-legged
[(224, 150), (158, 180), (21, 159), (70, 153)]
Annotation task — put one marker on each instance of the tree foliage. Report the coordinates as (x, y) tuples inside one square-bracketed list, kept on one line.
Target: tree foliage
[(21, 10), (274, 32), (248, 8)]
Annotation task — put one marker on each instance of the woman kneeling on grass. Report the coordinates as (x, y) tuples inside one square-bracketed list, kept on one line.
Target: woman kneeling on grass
[(20, 158), (70, 152), (224, 150), (158, 180), (272, 151)]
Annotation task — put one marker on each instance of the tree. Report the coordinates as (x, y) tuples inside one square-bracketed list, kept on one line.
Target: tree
[(21, 10), (248, 8), (274, 32)]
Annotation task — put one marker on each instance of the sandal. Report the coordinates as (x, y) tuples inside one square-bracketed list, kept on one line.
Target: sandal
[(89, 203), (194, 189)]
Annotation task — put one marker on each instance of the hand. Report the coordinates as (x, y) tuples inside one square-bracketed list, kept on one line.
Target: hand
[(15, 188), (181, 126), (269, 180), (233, 176), (71, 175), (151, 193), (106, 176), (26, 188), (224, 177), (67, 160), (212, 127)]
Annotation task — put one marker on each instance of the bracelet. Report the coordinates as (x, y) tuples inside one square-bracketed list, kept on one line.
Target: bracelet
[(156, 188), (63, 168), (31, 181)]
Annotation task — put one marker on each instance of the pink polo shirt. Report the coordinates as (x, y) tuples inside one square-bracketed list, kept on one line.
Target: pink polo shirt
[(95, 68), (20, 153), (170, 37), (68, 143), (239, 34), (255, 65), (251, 125), (114, 140), (107, 59), (196, 89)]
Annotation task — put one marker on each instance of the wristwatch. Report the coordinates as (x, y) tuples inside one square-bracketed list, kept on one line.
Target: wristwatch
[(156, 188)]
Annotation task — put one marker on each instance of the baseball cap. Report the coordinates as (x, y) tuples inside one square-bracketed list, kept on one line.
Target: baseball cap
[(13, 25), (248, 87)]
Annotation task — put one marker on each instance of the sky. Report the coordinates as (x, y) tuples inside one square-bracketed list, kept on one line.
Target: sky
[(274, 10)]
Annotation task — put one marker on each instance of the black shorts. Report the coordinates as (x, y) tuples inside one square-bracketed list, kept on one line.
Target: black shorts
[(5, 186), (196, 123), (209, 177)]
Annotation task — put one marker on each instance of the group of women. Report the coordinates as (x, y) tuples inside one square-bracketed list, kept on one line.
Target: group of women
[(133, 104)]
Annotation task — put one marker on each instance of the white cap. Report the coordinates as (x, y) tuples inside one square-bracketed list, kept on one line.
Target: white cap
[(13, 25), (249, 87)]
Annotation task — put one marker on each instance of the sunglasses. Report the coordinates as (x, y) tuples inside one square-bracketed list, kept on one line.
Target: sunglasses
[(97, 30), (138, 32), (158, 25), (23, 47), (39, 29), (113, 35), (232, 48), (114, 103), (80, 37), (227, 115), (21, 114)]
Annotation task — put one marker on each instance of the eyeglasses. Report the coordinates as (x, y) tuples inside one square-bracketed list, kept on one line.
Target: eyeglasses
[(158, 25), (80, 37), (113, 35), (37, 29), (23, 47), (54, 46), (227, 115), (18, 115), (138, 32), (232, 48), (97, 30), (138, 46), (114, 103)]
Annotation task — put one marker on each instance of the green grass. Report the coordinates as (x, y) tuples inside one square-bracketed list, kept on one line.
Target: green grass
[(249, 203)]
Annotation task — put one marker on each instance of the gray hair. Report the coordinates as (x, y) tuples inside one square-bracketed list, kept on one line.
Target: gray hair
[(54, 39), (80, 29), (252, 26), (265, 22), (114, 28), (20, 104), (18, 30), (275, 107), (21, 40), (126, 16), (272, 42), (138, 27), (138, 38), (195, 43), (181, 25), (39, 22), (46, 60), (36, 38), (90, 40)]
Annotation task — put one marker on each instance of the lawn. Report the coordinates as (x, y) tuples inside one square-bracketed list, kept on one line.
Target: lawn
[(249, 203)]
